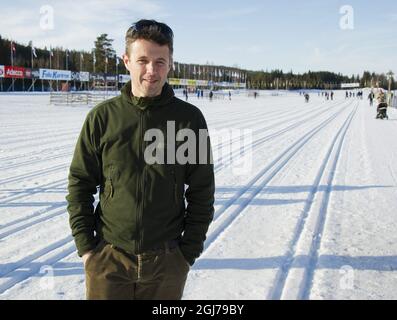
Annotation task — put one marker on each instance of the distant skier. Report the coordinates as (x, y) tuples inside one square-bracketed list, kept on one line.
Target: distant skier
[(307, 97), (230, 95), (371, 97)]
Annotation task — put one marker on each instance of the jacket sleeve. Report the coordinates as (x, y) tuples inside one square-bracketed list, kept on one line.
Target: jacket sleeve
[(200, 198), (84, 177)]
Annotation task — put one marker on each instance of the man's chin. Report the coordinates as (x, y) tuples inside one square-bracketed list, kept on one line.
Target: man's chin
[(152, 91)]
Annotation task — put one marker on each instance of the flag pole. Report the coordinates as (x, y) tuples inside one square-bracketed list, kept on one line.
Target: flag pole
[(50, 67), (12, 63), (31, 56), (67, 67), (117, 72)]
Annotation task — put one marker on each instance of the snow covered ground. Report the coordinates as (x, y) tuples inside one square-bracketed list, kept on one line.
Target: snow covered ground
[(315, 217)]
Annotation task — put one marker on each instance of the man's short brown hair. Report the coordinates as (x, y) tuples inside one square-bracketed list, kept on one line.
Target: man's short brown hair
[(150, 30)]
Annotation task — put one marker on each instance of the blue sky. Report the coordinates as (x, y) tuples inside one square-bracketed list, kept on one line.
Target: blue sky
[(290, 35)]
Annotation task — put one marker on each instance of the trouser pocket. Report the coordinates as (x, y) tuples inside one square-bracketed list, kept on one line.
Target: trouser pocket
[(97, 249)]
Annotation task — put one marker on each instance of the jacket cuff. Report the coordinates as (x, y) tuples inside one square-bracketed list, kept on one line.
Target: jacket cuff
[(190, 258), (83, 244)]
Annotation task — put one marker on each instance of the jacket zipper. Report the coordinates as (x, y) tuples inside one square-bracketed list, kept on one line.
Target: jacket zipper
[(175, 189), (140, 183)]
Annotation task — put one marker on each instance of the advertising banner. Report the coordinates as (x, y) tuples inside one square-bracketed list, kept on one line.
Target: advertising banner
[(97, 76), (124, 78), (349, 85), (35, 73), (53, 74), (75, 76), (14, 72), (28, 73), (84, 76)]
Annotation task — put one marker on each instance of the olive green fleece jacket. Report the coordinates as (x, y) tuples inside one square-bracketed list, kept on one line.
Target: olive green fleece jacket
[(141, 205)]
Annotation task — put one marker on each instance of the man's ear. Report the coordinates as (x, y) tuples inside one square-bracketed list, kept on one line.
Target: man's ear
[(126, 60)]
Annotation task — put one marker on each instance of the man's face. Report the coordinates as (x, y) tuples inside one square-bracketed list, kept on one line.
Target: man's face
[(148, 64)]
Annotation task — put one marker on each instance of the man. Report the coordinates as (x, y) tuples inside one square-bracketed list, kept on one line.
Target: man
[(140, 240)]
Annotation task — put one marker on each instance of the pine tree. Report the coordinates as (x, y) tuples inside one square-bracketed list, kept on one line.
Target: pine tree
[(104, 51)]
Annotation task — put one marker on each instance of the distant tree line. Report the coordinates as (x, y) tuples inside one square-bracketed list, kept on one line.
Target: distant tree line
[(103, 59), (313, 80)]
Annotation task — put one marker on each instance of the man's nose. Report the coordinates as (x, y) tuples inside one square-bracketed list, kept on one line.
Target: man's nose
[(151, 68)]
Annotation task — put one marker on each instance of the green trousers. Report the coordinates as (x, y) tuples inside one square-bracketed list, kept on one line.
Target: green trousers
[(154, 275)]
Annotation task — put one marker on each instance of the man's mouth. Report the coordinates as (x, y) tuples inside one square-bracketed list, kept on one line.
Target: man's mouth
[(151, 81)]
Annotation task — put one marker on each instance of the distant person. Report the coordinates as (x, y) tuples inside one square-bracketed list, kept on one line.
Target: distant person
[(202, 93), (211, 94), (255, 94), (371, 97), (347, 95), (332, 95), (307, 97), (382, 106), (230, 95)]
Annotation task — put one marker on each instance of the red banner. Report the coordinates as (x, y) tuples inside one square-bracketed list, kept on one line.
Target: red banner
[(28, 73), (14, 72)]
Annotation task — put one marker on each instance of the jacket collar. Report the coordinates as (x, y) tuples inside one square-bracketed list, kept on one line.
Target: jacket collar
[(144, 102)]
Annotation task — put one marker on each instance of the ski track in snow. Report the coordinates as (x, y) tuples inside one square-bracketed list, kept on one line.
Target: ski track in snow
[(288, 284), (289, 123)]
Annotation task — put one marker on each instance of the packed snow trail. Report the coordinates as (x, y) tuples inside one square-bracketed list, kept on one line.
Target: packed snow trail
[(315, 216)]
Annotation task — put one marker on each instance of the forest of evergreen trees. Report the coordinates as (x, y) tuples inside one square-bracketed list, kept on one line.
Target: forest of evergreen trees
[(106, 61)]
